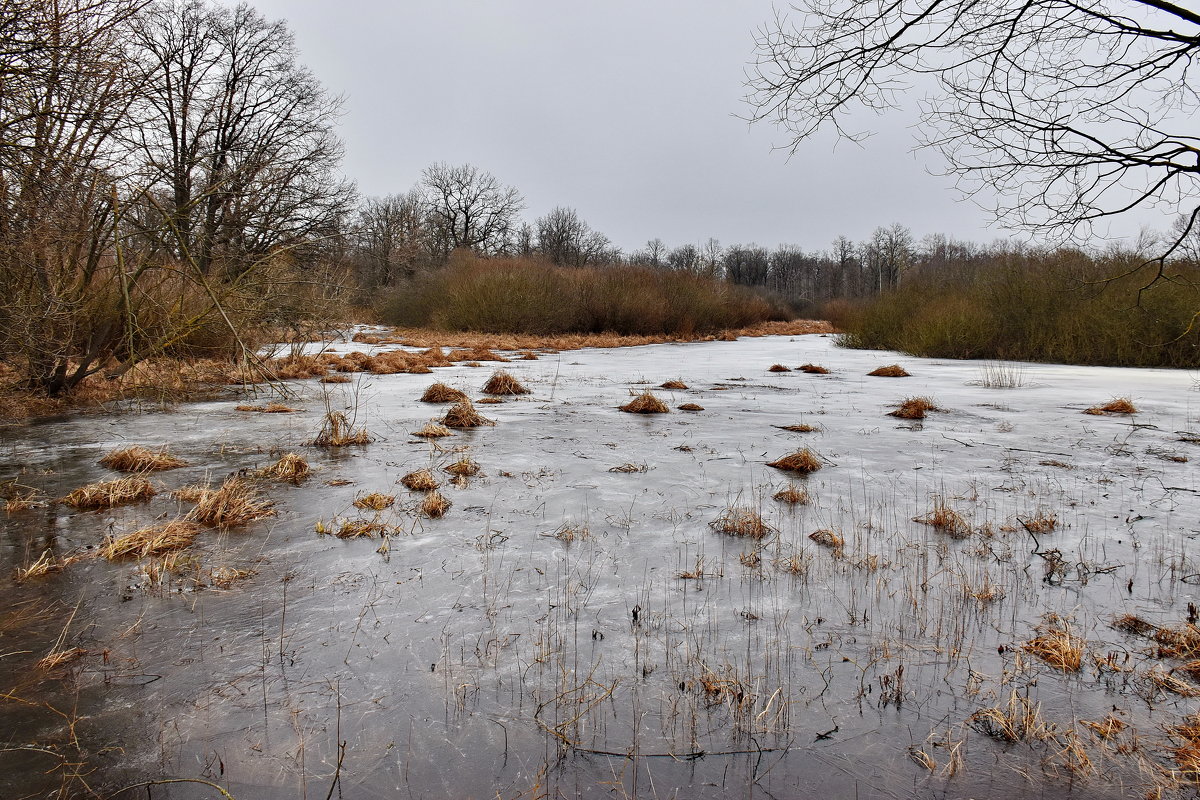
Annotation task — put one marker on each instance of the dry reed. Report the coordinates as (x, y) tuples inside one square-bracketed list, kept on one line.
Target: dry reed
[(151, 541), (420, 481), (433, 430), (801, 428), (645, 403), (464, 467), (441, 393), (434, 505), (376, 501), (338, 431), (793, 495), (889, 371), (1057, 646), (141, 459), (803, 461), (828, 538), (914, 408), (107, 494), (741, 521), (463, 415), (235, 503), (946, 520), (503, 383), (290, 467), (269, 408), (1118, 405)]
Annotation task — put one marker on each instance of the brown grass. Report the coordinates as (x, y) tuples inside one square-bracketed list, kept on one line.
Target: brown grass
[(61, 657), (793, 495), (475, 354), (235, 503), (1057, 646), (420, 481), (375, 501), (46, 564), (803, 460), (645, 403), (1041, 522), (528, 356), (741, 521), (778, 368), (433, 430), (828, 538), (290, 467), (946, 520), (141, 459), (336, 378), (489, 401), (434, 505), (463, 415), (678, 385), (1118, 405), (890, 371), (464, 467), (269, 408), (151, 541), (801, 428), (338, 431), (441, 393), (107, 494), (503, 383), (691, 407), (914, 408), (1018, 720), (360, 528), (1106, 728), (813, 369)]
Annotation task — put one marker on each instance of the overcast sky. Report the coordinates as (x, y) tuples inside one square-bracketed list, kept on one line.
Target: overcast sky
[(626, 110)]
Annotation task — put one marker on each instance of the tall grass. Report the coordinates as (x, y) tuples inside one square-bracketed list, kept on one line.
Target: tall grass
[(1056, 306), (529, 296)]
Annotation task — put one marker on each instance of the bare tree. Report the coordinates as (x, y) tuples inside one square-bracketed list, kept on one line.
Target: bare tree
[(470, 208), (1074, 110), (391, 239), (237, 136), (567, 240), (888, 254)]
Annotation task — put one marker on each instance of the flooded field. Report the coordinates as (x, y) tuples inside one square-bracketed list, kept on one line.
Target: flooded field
[(994, 600)]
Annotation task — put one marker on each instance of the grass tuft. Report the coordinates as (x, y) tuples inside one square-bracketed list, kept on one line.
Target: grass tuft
[(141, 459), (290, 467), (433, 430), (269, 408), (504, 384), (946, 520), (463, 415), (375, 501), (151, 541), (890, 371), (675, 384), (434, 505), (645, 403), (803, 461), (691, 407), (793, 495), (1057, 646), (441, 393), (1118, 405), (338, 431), (741, 521), (107, 494), (914, 408), (464, 467), (828, 538), (234, 504), (420, 481), (813, 369), (778, 368)]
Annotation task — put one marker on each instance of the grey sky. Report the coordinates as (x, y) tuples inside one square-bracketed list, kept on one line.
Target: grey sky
[(624, 110)]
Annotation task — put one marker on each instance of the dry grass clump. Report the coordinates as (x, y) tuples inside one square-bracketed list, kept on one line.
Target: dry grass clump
[(489, 401), (464, 467), (946, 520), (630, 467), (801, 428), (813, 369), (778, 368), (1118, 405), (463, 415), (151, 541), (433, 430), (1057, 646), (338, 431), (1019, 720), (60, 657), (269, 408), (803, 460), (741, 521), (235, 503), (420, 481), (675, 384), (107, 494), (528, 355), (645, 403), (46, 564), (569, 532), (358, 528), (475, 354), (290, 467), (890, 371), (434, 505), (503, 383), (828, 538), (441, 393), (691, 407), (1167, 682), (1041, 522), (375, 501), (1106, 728), (336, 378), (914, 408), (141, 459), (793, 495)]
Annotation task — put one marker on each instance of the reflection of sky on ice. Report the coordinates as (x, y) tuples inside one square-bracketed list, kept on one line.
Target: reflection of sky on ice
[(457, 652)]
